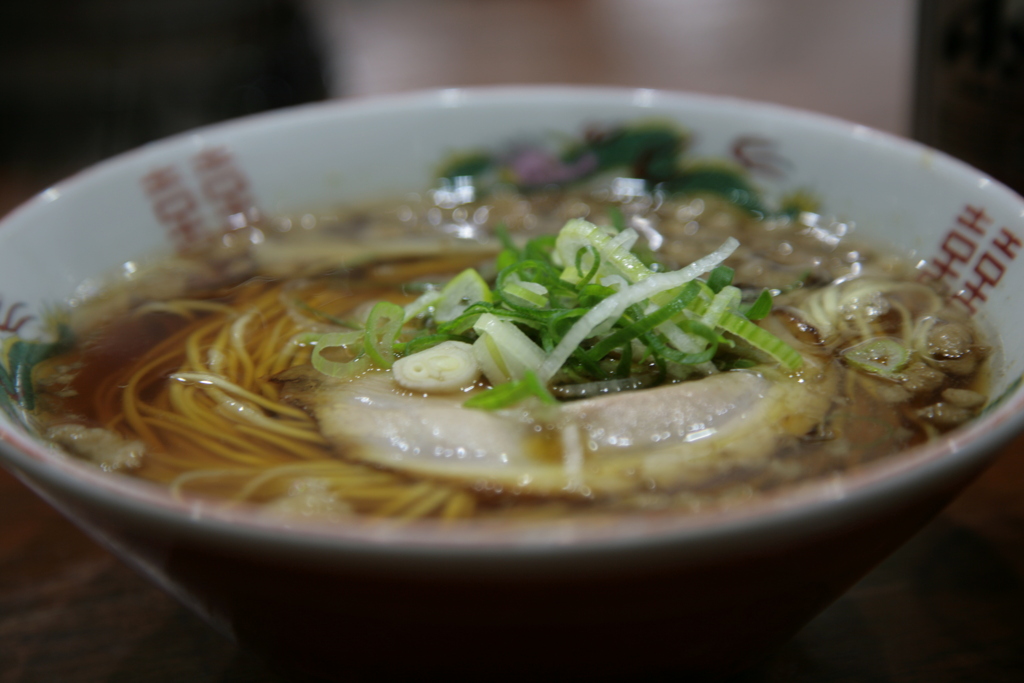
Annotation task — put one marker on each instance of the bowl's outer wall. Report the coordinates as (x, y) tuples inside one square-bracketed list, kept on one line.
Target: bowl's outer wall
[(662, 612), (731, 591)]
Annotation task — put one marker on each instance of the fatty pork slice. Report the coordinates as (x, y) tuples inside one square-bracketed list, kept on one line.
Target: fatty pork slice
[(667, 436)]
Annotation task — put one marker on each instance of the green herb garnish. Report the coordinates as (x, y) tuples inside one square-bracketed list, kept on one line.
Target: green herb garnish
[(575, 307), (880, 356), (510, 393)]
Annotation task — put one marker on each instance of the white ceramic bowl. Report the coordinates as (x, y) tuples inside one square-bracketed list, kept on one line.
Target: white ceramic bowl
[(664, 592)]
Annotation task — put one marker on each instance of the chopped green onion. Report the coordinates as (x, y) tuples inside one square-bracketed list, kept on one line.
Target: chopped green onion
[(761, 307), (725, 300), (506, 258), (556, 326), (350, 341), (464, 290), (513, 352), (562, 304), (531, 294), (881, 356), (625, 361), (762, 339), (589, 295), (615, 305), (720, 277), (684, 341), (468, 318), (624, 241), (505, 395), (539, 248), (590, 274), (425, 341), (422, 305), (618, 220), (529, 271), (645, 324), (736, 364), (488, 356), (580, 234), (382, 328), (693, 328)]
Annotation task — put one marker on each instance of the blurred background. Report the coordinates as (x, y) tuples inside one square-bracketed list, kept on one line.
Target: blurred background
[(82, 80)]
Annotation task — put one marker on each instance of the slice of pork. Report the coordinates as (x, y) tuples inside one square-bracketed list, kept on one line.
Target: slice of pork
[(666, 436), (373, 420), (682, 434)]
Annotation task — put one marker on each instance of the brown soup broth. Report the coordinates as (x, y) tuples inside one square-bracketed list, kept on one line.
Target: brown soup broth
[(139, 368)]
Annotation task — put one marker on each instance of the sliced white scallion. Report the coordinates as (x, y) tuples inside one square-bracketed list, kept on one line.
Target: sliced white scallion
[(512, 352), (450, 366), (491, 363)]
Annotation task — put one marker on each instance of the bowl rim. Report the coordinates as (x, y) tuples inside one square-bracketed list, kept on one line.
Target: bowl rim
[(807, 508)]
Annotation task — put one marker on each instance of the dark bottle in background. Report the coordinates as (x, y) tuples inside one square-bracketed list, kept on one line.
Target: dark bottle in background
[(969, 99)]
